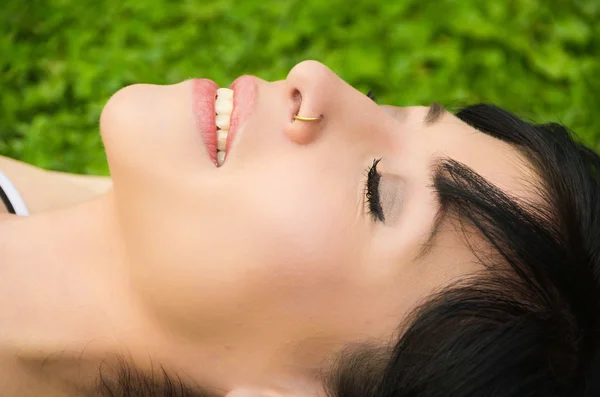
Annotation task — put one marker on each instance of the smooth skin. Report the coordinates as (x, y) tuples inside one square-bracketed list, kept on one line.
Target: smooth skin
[(44, 190), (243, 278)]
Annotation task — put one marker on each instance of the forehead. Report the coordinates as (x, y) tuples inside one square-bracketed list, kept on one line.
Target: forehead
[(499, 162)]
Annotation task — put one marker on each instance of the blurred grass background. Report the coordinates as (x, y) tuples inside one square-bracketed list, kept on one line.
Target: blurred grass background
[(60, 60)]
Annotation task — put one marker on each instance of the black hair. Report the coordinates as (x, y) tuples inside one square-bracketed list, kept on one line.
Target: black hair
[(121, 378), (525, 326)]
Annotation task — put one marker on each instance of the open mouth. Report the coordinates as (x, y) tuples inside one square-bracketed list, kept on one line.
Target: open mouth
[(223, 110), (219, 112)]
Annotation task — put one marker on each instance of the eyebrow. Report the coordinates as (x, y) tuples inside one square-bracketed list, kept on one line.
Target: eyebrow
[(434, 114), (438, 219), (436, 172), (444, 205)]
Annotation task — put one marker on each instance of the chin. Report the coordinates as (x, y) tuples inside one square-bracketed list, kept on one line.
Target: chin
[(151, 129)]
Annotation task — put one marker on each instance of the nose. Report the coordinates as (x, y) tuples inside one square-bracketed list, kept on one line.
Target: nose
[(311, 85)]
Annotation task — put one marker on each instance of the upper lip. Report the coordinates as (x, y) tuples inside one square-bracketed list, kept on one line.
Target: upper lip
[(244, 93)]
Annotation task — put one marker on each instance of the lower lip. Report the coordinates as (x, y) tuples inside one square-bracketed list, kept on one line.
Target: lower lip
[(204, 93)]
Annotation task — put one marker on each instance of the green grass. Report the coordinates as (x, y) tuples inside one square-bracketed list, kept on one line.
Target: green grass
[(61, 60)]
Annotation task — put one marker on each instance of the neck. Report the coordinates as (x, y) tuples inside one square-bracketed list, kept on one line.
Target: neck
[(67, 307), (64, 288)]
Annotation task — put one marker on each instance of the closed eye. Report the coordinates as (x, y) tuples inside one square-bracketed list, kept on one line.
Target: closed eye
[(372, 194)]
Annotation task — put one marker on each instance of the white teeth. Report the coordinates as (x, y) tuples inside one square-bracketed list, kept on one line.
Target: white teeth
[(223, 109), (223, 105), (222, 121), (220, 158), (225, 93), (222, 139)]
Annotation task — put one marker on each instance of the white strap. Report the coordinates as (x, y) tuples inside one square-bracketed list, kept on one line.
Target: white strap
[(13, 196)]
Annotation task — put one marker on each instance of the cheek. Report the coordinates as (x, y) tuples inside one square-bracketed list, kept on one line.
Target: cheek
[(307, 246), (312, 270), (301, 239)]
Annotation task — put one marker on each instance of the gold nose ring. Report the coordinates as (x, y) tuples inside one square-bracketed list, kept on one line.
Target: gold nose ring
[(300, 118)]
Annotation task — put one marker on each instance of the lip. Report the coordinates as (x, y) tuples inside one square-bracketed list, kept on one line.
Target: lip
[(204, 92), (244, 97)]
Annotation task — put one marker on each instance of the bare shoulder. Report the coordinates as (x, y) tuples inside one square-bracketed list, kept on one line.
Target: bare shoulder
[(44, 190)]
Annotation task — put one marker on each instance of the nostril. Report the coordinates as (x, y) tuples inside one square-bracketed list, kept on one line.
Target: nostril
[(304, 115), (297, 100)]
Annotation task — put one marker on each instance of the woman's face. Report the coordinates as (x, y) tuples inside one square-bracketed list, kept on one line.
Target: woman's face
[(278, 247)]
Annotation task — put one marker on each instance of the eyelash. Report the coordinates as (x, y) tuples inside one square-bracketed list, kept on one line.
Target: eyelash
[(372, 96), (372, 192), (372, 185)]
